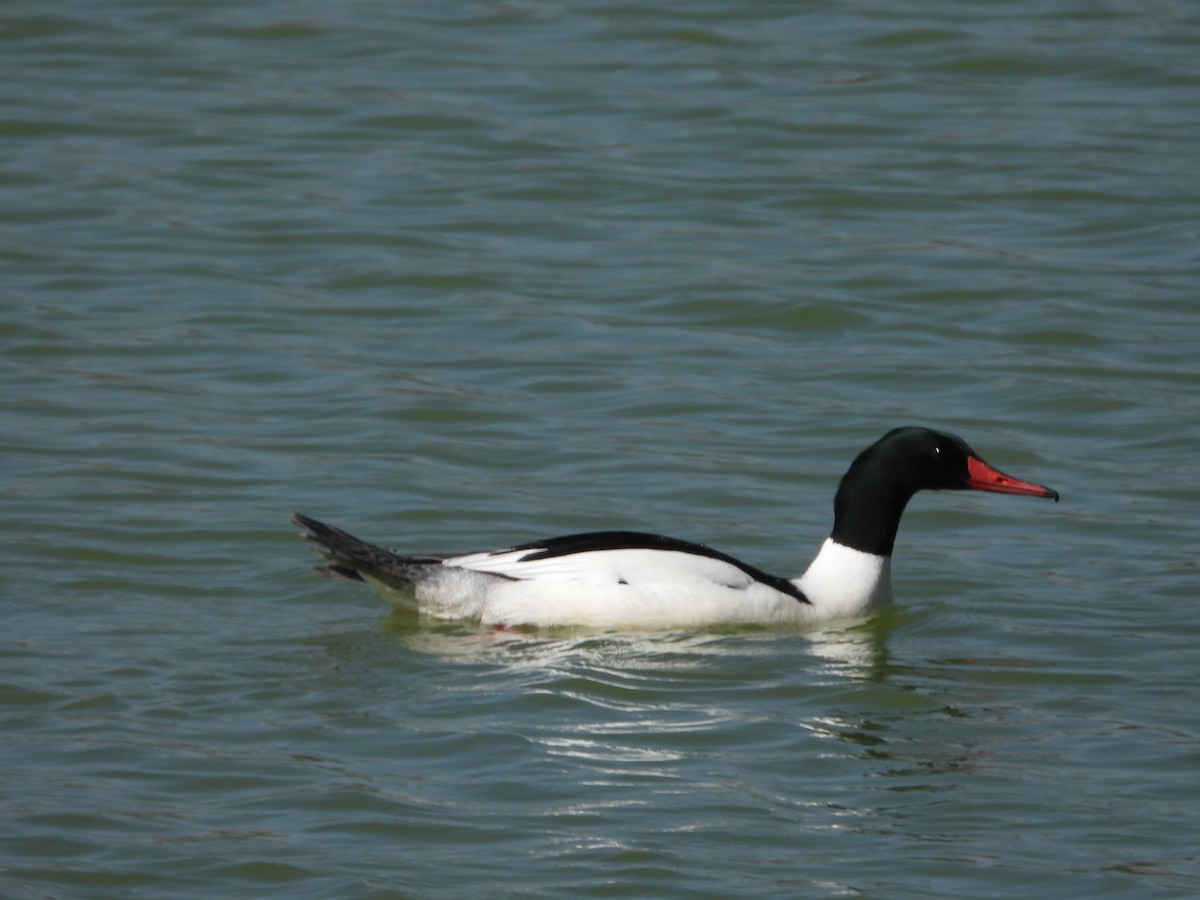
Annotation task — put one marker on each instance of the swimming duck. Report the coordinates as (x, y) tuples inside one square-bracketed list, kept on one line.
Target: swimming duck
[(629, 579)]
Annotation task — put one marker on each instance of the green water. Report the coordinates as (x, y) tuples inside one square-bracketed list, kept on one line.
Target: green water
[(454, 277)]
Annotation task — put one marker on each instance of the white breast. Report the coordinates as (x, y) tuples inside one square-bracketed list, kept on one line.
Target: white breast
[(843, 582)]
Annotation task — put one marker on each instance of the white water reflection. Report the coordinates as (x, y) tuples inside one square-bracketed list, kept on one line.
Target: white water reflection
[(850, 650)]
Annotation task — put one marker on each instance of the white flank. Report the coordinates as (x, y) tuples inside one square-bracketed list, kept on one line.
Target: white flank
[(646, 589)]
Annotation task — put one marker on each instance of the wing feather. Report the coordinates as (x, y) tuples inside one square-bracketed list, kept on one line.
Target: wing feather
[(621, 557)]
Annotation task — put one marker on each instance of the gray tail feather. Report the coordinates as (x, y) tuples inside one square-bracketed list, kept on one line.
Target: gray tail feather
[(352, 558)]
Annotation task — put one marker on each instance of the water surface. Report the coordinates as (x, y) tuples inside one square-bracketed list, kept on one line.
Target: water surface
[(454, 278)]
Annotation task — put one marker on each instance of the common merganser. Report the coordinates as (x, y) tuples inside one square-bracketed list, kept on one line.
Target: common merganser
[(627, 579)]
